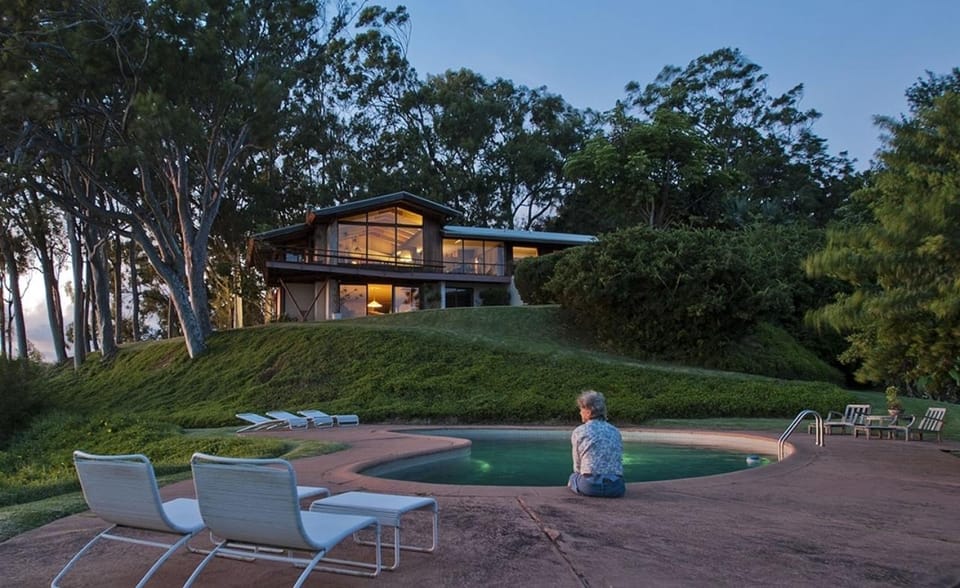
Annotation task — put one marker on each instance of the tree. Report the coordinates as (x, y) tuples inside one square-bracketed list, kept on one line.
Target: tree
[(494, 150), (902, 316), (780, 167), (159, 103), (656, 174)]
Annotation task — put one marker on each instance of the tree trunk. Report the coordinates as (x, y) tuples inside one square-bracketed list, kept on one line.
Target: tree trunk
[(3, 319), (51, 288), (134, 291), (79, 302), (118, 289), (13, 276), (101, 291), (89, 310)]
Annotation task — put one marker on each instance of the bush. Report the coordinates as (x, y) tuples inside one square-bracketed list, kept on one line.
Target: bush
[(495, 297), (688, 294), (22, 397), (531, 276)]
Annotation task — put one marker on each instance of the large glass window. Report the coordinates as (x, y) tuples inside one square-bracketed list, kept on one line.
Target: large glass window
[(406, 299), (353, 300), (473, 257), (387, 236), (372, 299)]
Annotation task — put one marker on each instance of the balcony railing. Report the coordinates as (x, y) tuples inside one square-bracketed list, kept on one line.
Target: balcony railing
[(372, 260)]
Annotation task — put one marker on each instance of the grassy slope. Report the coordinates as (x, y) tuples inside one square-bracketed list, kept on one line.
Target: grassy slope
[(469, 365)]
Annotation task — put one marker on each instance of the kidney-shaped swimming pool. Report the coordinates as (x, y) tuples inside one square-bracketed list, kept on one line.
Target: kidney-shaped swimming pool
[(528, 457)]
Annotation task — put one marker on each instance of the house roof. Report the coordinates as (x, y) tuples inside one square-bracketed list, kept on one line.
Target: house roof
[(394, 198), (517, 236), (291, 231)]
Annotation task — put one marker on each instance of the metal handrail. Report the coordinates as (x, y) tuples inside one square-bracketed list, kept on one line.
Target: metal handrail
[(309, 256), (793, 425)]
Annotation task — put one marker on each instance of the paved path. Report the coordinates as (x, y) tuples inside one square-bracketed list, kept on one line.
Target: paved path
[(854, 513)]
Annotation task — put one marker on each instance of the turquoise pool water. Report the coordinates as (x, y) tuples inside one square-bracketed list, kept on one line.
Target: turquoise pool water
[(500, 457)]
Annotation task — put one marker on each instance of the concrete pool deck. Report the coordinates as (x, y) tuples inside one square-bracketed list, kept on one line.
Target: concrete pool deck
[(856, 512)]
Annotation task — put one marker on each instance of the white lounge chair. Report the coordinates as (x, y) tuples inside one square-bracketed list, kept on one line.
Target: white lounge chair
[(319, 418), (295, 421), (261, 423), (122, 490), (253, 503), (342, 420), (389, 510)]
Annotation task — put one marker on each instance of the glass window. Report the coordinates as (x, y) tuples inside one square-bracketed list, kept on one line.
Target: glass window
[(523, 252), (409, 245), (357, 218), (379, 298), (385, 216), (353, 300), (390, 235), (459, 297), (406, 299), (381, 243), (453, 256), (473, 257), (493, 258), (405, 217), (352, 243)]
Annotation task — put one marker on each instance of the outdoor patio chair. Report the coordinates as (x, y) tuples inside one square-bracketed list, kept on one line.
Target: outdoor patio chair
[(253, 503), (342, 420), (122, 490), (261, 423), (852, 415), (931, 422), (389, 510)]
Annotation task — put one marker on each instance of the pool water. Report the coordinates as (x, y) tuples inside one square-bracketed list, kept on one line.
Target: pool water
[(504, 460)]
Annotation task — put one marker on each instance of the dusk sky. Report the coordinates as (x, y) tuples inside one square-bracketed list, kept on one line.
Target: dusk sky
[(855, 58)]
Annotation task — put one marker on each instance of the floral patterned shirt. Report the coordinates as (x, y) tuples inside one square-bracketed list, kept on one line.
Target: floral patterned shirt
[(597, 449)]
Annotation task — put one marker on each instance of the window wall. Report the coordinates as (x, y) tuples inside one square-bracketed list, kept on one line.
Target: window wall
[(464, 256), (373, 299), (391, 235)]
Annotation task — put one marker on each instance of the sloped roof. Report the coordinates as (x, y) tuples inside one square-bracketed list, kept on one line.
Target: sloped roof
[(517, 236), (290, 231), (394, 198)]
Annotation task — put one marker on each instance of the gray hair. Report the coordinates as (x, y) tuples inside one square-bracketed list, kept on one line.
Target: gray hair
[(594, 402)]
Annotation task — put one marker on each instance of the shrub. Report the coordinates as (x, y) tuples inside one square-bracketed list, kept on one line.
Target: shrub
[(495, 297), (687, 294), (531, 276), (21, 399)]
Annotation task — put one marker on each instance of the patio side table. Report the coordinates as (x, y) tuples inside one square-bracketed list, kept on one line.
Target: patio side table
[(388, 509)]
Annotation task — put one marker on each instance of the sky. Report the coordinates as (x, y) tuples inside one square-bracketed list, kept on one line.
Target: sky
[(855, 58)]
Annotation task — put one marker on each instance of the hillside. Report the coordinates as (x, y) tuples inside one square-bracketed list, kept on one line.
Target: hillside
[(494, 364)]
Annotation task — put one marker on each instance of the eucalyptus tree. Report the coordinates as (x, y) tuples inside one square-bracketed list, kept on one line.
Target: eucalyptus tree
[(175, 96), (901, 259)]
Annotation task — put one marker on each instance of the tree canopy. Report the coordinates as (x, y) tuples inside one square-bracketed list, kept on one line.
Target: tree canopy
[(902, 257)]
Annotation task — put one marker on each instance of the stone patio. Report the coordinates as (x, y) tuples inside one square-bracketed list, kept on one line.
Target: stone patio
[(856, 512)]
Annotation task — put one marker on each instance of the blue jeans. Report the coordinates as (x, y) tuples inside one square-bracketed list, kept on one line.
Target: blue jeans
[(591, 485)]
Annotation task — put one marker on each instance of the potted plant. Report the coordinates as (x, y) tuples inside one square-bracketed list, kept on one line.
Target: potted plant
[(894, 407)]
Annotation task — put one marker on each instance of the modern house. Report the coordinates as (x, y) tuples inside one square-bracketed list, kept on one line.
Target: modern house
[(392, 253)]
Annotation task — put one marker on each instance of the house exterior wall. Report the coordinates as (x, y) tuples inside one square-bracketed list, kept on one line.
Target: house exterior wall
[(306, 264)]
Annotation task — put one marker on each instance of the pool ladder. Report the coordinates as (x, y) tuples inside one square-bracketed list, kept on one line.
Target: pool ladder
[(793, 425)]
